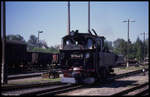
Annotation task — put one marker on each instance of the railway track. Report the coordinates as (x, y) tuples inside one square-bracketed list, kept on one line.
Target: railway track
[(128, 74), (47, 90), (53, 89), (58, 90), (20, 76), (139, 90), (28, 86)]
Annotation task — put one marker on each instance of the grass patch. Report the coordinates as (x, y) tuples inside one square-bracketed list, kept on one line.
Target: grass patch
[(49, 79)]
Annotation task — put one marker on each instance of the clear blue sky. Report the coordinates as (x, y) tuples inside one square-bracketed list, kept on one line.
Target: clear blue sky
[(26, 18)]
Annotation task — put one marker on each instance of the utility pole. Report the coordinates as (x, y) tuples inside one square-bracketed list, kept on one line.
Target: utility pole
[(68, 17), (89, 16), (128, 21), (3, 26)]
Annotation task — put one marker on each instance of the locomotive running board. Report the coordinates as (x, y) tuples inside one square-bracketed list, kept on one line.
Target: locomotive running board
[(68, 80)]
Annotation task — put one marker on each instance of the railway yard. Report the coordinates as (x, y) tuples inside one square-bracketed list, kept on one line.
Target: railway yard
[(117, 86), (84, 63), (126, 82)]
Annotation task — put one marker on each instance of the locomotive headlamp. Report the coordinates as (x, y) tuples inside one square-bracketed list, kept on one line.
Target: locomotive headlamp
[(76, 68), (87, 55)]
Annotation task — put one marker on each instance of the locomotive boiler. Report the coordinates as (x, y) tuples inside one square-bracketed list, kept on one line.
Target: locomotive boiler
[(84, 58)]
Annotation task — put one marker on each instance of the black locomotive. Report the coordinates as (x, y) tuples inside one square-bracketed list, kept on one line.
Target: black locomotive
[(84, 58)]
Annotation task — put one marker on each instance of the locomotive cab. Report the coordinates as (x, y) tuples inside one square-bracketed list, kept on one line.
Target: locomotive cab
[(80, 57)]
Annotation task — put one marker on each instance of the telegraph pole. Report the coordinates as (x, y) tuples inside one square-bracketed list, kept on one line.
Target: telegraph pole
[(128, 21), (68, 17), (89, 16), (3, 30)]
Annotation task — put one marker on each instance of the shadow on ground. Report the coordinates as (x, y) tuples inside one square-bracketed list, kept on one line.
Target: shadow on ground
[(113, 84)]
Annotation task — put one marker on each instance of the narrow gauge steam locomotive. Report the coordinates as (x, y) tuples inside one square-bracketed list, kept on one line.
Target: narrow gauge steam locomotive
[(84, 59)]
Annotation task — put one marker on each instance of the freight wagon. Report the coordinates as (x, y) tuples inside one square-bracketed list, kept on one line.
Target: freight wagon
[(39, 60), (15, 56)]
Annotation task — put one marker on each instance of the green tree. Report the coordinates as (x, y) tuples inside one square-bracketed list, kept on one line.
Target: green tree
[(33, 40), (139, 49), (108, 44), (120, 47), (42, 46), (147, 47), (132, 50)]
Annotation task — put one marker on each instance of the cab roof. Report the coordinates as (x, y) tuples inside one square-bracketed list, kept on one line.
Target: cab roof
[(84, 35)]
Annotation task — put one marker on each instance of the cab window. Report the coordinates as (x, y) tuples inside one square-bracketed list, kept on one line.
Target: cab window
[(89, 44)]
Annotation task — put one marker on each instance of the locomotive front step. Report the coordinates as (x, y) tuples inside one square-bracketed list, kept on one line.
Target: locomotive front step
[(68, 80)]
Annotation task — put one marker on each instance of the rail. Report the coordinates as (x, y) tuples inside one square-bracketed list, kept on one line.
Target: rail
[(60, 88), (125, 92)]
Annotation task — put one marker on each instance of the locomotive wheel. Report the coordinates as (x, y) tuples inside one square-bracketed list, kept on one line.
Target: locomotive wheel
[(104, 73)]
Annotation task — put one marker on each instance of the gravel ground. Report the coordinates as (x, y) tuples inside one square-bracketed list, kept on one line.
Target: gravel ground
[(109, 89), (35, 80), (137, 91), (115, 87)]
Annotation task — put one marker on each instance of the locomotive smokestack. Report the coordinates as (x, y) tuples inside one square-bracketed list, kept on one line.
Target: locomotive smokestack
[(68, 17), (89, 16)]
